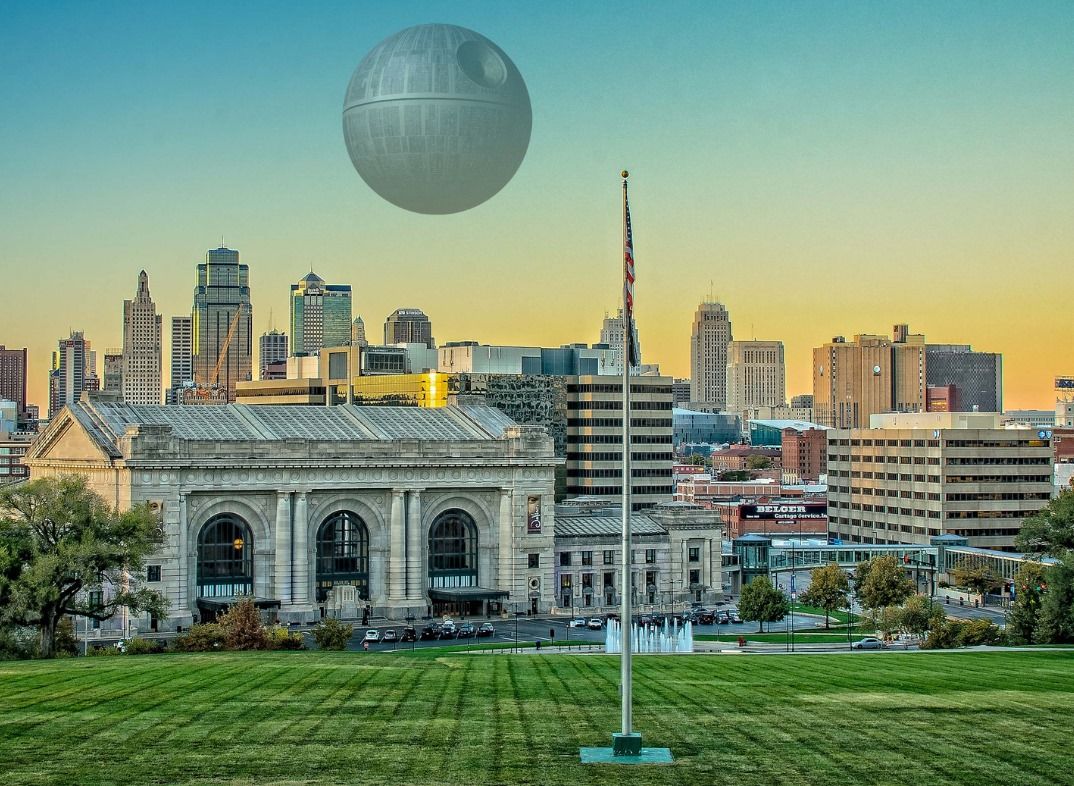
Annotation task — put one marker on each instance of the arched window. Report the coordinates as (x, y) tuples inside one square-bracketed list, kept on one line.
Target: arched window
[(453, 550), (342, 554), (225, 558)]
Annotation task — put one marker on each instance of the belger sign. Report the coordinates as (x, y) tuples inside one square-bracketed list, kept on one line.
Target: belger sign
[(804, 510)]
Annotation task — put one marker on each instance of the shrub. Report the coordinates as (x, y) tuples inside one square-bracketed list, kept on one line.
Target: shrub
[(104, 651), (279, 638), (140, 646), (65, 643), (243, 629), (973, 633), (19, 643), (331, 634), (206, 637)]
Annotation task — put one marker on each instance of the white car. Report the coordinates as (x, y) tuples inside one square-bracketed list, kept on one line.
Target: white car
[(596, 623), (868, 643), (577, 622), (372, 636)]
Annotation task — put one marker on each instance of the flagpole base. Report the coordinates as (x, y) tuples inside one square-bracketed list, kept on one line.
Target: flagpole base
[(626, 744), (626, 749)]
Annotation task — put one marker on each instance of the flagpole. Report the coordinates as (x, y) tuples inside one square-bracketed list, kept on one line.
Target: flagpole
[(626, 586)]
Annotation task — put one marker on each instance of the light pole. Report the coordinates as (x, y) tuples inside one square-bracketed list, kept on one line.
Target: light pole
[(794, 599)]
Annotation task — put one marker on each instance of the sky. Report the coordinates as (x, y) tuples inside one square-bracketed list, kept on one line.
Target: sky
[(822, 168)]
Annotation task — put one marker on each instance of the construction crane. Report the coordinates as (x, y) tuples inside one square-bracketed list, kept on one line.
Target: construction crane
[(210, 392)]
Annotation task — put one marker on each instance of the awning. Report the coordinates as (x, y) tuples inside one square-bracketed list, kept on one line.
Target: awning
[(460, 594), (223, 604)]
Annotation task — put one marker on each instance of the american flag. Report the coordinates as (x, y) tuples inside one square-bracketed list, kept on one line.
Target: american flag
[(633, 349)]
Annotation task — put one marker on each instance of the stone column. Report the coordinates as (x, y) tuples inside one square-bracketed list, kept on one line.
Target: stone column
[(300, 567), (283, 548), (183, 559), (414, 584), (506, 577), (396, 549)]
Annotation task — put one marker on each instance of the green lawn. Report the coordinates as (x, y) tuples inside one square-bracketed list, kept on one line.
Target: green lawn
[(982, 718), (781, 638)]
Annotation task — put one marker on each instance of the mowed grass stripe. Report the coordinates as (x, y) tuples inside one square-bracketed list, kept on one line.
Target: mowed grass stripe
[(346, 717)]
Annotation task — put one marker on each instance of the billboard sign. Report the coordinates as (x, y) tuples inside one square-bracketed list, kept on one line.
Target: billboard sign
[(786, 510), (533, 516)]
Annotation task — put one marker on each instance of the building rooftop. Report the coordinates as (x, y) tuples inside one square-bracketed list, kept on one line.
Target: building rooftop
[(605, 526), (797, 425)]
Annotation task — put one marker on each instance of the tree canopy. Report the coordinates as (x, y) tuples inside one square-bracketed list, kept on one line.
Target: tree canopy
[(828, 589), (881, 582), (1051, 530), (976, 575), (761, 602), (61, 546)]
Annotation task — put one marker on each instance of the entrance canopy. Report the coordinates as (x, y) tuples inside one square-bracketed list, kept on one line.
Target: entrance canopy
[(220, 605), (465, 594)]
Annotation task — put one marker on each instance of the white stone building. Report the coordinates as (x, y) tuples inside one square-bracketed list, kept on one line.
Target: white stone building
[(322, 510)]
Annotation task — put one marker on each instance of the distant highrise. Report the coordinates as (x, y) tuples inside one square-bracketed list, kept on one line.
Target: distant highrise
[(358, 338), (182, 359), (113, 372), (977, 377), (74, 370), (1064, 402), (13, 376), (611, 334), (320, 315), (272, 348), (222, 292), (708, 356), (142, 355), (409, 326), (680, 392), (756, 376)]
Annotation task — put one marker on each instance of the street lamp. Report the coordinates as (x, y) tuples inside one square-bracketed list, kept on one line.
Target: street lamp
[(794, 599)]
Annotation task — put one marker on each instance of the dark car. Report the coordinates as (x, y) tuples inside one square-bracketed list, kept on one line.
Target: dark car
[(430, 631), (723, 618), (448, 632), (486, 629), (467, 630), (409, 634), (706, 618)]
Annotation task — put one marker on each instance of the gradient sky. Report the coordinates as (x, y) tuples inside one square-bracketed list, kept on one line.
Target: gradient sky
[(830, 168)]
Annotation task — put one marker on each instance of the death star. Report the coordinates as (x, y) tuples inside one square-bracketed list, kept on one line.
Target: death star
[(437, 119)]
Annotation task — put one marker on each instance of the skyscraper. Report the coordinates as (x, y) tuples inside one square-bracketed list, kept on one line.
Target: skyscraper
[(221, 324), (272, 348), (320, 315), (74, 369), (611, 334), (977, 377), (13, 376), (409, 326), (756, 376), (708, 356), (113, 372), (142, 356), (358, 338), (182, 360)]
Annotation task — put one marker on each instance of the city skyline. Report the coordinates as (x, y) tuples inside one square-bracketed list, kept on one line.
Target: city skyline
[(831, 170)]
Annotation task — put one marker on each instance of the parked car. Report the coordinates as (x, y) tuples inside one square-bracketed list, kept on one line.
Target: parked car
[(595, 623), (372, 636), (868, 643), (577, 622), (486, 629), (430, 631), (735, 618), (409, 634), (723, 618), (389, 635), (448, 631), (466, 630), (705, 618)]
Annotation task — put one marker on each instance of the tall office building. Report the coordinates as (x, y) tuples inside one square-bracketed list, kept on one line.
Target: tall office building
[(708, 356), (182, 358), (221, 312), (1064, 402), (113, 372), (13, 376), (320, 315), (272, 348), (756, 376), (409, 326), (611, 335), (853, 380), (142, 355), (74, 370), (976, 378), (358, 338)]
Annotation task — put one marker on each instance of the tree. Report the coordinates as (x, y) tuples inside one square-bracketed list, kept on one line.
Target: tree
[(916, 615), (1055, 624), (734, 476), (58, 542), (331, 634), (761, 602), (243, 629), (757, 462), (1025, 611), (881, 582), (1051, 530), (696, 460), (828, 588), (975, 575)]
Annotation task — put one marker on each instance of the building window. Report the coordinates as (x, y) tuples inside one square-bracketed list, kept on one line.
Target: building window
[(609, 558), (342, 554), (695, 577), (534, 560), (650, 556), (565, 559), (587, 557), (225, 558), (152, 573), (695, 554), (453, 550)]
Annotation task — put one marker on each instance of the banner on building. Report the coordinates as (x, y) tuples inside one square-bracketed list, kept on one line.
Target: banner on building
[(803, 510), (533, 516)]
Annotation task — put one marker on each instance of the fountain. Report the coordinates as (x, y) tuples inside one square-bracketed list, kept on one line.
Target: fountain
[(650, 638)]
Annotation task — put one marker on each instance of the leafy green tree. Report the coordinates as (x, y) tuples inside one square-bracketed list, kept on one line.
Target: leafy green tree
[(828, 589), (696, 459), (331, 634), (1051, 530), (1024, 612), (882, 582), (1055, 624), (758, 462), (976, 576), (58, 541), (915, 616), (734, 476), (761, 602)]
